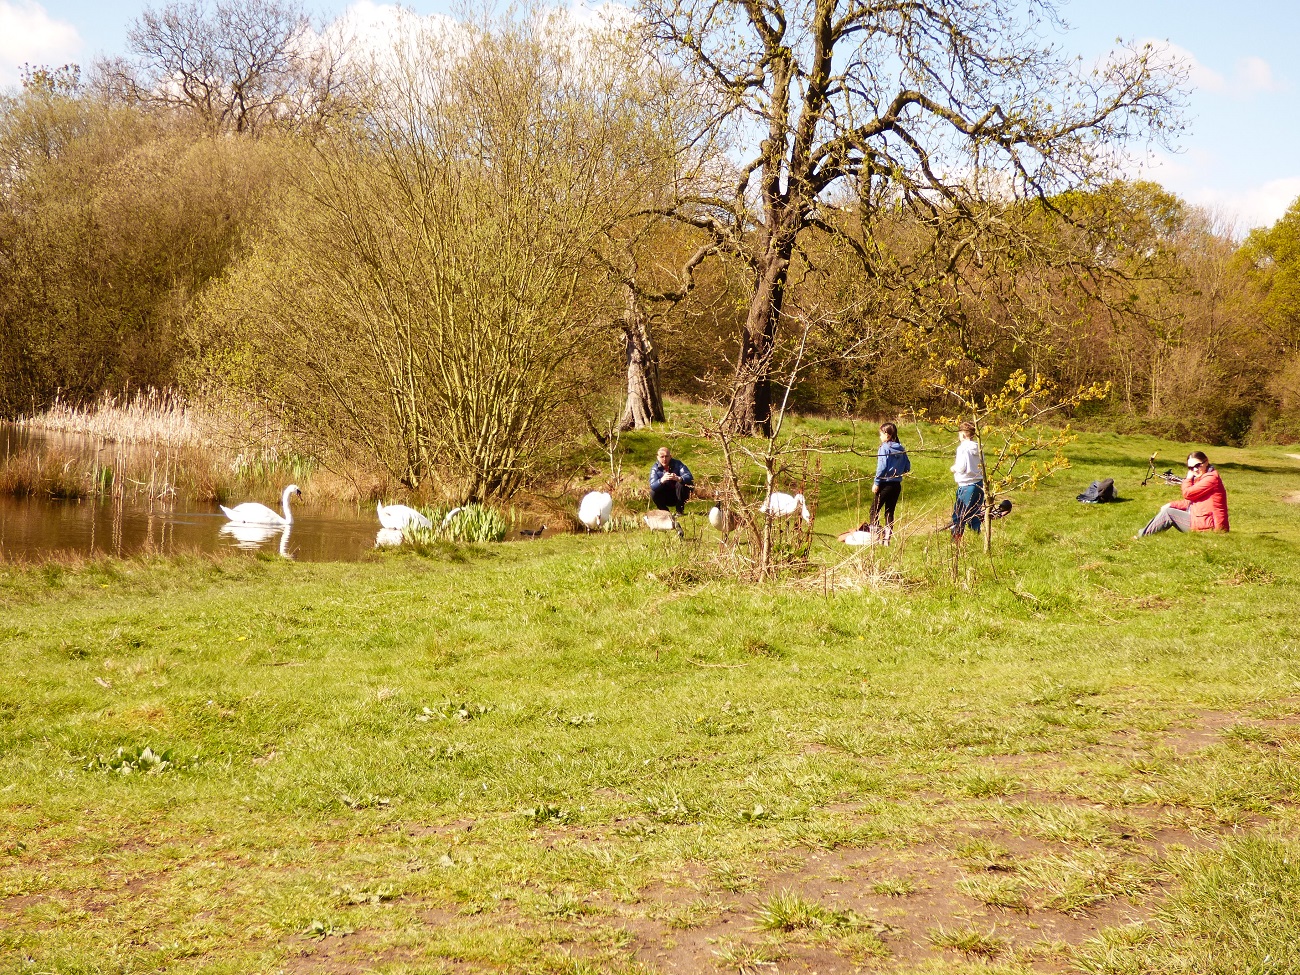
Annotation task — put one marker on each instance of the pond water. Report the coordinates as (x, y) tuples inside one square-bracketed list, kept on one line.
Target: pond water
[(37, 526)]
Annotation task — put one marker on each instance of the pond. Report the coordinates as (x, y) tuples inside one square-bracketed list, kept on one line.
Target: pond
[(36, 526)]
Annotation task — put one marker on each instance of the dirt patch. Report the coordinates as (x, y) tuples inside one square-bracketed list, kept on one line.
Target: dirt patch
[(1201, 731), (905, 899)]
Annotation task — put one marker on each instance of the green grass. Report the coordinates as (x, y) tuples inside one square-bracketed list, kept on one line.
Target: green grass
[(499, 758)]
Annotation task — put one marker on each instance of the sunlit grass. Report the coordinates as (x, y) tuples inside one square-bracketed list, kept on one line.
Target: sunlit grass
[(487, 755)]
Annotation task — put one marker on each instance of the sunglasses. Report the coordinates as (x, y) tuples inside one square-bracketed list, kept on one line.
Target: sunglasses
[(1193, 467)]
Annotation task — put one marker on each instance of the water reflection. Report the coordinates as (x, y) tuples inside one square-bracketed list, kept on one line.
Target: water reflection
[(388, 538), (121, 524), (251, 538)]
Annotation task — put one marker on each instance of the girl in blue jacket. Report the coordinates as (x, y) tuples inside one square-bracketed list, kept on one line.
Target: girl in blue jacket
[(891, 464)]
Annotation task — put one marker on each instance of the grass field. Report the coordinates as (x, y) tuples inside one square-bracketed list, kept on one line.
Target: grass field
[(598, 754)]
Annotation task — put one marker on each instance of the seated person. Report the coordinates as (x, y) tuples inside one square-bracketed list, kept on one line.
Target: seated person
[(671, 483), (1204, 505)]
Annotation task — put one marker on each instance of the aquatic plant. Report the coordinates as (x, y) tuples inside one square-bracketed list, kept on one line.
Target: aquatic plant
[(470, 523)]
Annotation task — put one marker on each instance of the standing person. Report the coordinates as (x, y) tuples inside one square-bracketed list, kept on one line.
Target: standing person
[(671, 482), (1204, 506), (892, 463), (968, 472)]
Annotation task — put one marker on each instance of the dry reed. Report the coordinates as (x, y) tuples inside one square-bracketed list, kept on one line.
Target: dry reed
[(150, 416)]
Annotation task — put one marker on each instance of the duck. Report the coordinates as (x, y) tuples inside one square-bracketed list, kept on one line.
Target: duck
[(595, 509), (781, 505), (253, 513), (401, 517), (531, 532)]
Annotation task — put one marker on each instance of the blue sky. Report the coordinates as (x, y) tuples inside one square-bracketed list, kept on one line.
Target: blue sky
[(1241, 154)]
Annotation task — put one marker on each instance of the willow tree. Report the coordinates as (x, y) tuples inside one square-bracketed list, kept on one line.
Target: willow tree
[(898, 104), (422, 302)]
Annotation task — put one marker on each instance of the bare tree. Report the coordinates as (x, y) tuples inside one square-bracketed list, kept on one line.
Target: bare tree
[(910, 104), (421, 301), (235, 65)]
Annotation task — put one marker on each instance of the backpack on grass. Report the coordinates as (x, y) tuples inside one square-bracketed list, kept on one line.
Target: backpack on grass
[(1099, 492)]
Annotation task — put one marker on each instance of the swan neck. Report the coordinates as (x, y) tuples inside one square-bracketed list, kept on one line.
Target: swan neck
[(284, 503)]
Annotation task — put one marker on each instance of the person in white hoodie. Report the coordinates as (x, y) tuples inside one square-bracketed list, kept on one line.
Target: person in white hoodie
[(968, 472)]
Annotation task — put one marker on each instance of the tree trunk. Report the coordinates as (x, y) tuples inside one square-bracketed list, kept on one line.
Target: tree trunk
[(752, 415), (645, 404)]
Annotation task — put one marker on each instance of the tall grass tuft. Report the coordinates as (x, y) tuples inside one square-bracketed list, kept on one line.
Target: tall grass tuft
[(471, 523), (54, 473)]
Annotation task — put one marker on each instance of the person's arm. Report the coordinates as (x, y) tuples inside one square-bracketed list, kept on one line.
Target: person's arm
[(684, 473), (656, 476), (1199, 488), (882, 461), (968, 459), (905, 463)]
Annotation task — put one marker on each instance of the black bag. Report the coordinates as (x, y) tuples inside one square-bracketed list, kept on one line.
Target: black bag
[(1099, 492)]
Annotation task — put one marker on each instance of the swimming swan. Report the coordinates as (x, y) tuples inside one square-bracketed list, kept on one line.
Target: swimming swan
[(252, 513), (399, 517), (595, 510), (780, 505)]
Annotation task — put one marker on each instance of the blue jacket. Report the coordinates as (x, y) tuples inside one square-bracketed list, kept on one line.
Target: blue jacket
[(675, 466), (892, 463)]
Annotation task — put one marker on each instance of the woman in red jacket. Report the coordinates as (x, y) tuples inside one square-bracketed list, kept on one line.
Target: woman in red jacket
[(1204, 507)]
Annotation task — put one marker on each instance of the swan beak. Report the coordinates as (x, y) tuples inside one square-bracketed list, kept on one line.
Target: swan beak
[(298, 492)]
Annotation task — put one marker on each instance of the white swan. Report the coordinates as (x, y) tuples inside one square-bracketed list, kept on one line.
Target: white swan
[(780, 505), (858, 537), (595, 509), (252, 513), (399, 517)]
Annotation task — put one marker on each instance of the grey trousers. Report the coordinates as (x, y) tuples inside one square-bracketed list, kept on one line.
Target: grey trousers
[(1167, 518)]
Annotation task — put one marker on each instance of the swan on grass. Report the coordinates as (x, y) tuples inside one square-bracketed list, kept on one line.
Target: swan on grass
[(781, 505), (595, 509), (858, 538), (252, 513), (399, 517)]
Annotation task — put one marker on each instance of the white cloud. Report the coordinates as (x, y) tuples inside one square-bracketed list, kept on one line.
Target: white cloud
[(1251, 74), (1251, 206), (29, 35), (1256, 74), (1198, 176)]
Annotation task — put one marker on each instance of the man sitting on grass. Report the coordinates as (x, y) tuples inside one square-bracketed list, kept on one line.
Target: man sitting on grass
[(1204, 506), (671, 483)]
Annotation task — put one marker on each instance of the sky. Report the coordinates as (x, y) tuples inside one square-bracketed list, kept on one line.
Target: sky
[(1239, 156)]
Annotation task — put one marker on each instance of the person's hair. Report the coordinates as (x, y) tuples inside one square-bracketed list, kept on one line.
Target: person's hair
[(1201, 457), (890, 431), (663, 448), (966, 427)]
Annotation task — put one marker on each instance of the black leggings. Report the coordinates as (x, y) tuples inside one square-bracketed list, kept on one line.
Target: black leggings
[(886, 497)]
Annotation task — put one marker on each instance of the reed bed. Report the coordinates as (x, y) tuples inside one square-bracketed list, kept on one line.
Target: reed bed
[(160, 416), (53, 473)]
